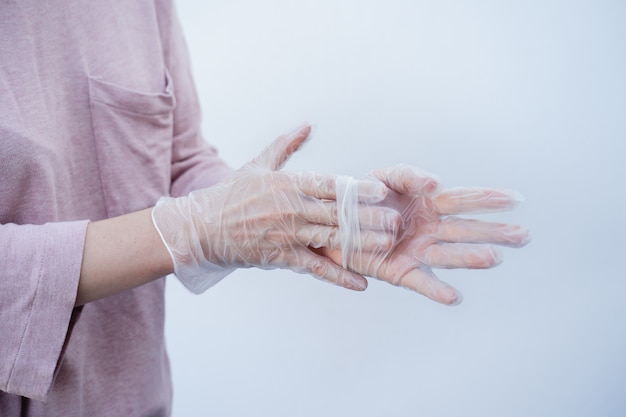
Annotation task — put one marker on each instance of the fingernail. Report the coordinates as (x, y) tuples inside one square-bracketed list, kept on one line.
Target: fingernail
[(431, 187), (297, 130), (495, 257), (458, 300), (526, 238), (358, 285)]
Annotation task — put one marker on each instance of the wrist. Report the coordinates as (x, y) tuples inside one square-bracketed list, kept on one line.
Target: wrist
[(121, 253)]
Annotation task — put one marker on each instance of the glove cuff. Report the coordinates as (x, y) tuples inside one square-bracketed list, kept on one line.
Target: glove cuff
[(182, 243)]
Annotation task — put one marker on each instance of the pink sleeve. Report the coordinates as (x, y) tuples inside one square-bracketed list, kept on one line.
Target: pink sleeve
[(40, 269), (195, 164)]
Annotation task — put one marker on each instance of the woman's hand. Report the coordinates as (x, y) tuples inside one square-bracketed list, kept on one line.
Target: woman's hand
[(432, 236), (266, 218)]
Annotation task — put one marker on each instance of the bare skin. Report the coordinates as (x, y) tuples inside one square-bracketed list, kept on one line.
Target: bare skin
[(121, 253), (125, 252)]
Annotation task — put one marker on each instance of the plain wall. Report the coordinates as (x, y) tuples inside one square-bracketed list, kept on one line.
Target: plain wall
[(526, 95)]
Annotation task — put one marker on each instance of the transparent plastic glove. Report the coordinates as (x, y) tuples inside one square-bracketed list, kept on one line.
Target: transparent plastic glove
[(431, 235), (266, 218)]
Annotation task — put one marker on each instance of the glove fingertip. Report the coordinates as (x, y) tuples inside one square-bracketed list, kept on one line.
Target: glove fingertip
[(352, 280), (446, 295), (280, 150), (454, 299)]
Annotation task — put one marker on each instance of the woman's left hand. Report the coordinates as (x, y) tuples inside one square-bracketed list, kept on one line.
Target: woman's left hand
[(432, 236)]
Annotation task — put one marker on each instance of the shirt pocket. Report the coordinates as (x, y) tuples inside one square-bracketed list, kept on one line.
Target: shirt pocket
[(133, 133)]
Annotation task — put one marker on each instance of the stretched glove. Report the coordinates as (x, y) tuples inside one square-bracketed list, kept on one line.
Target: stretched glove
[(266, 218), (431, 236)]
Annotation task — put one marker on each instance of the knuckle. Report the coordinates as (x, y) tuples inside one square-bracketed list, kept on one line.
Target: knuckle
[(304, 236), (328, 184), (334, 239), (333, 212), (319, 268)]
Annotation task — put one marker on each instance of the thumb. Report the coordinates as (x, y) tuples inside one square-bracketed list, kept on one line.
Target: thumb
[(407, 179), (280, 150)]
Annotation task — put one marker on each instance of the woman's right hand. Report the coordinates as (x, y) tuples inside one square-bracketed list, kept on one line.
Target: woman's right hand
[(266, 218)]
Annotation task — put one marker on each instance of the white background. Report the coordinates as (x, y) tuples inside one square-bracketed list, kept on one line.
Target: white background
[(528, 95)]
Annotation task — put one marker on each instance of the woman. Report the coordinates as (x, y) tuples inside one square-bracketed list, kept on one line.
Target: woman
[(99, 120)]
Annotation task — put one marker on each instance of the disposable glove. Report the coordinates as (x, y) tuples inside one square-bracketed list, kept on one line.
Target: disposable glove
[(266, 218), (431, 235)]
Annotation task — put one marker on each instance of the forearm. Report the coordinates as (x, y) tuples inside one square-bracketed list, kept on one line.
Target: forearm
[(121, 253)]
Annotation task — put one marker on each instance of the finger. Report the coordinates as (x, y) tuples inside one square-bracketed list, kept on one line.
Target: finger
[(306, 261), (425, 282), (421, 280), (453, 255), (329, 237), (368, 263), (458, 230), (280, 150), (406, 179), (473, 200), (379, 218), (325, 186), (369, 218)]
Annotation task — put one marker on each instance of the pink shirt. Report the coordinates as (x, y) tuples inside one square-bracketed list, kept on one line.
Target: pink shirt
[(98, 117)]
